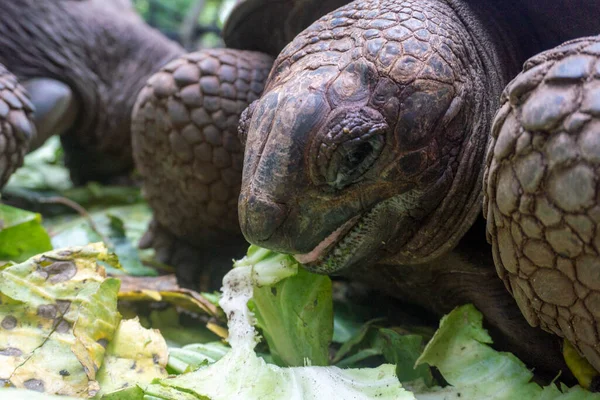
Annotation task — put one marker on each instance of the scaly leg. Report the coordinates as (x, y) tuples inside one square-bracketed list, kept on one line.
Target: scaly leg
[(542, 192), (187, 150)]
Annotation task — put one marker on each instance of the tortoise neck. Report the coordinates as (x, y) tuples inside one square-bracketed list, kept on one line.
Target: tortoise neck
[(502, 33), (491, 54)]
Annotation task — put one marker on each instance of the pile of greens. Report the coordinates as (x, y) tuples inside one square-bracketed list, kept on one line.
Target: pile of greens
[(62, 333)]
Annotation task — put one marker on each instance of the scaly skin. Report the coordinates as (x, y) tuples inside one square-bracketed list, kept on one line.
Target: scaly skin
[(364, 155), (16, 127), (104, 53), (542, 204), (186, 147), (381, 107)]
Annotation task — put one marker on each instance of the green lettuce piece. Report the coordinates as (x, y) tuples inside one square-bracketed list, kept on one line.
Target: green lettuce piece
[(58, 311), (401, 349), (241, 374), (193, 356), (129, 393), (135, 356), (42, 169), (460, 350), (21, 234), (296, 318), (293, 308), (268, 267)]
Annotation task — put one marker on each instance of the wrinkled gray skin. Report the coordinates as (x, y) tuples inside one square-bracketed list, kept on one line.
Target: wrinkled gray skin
[(372, 132), (83, 62)]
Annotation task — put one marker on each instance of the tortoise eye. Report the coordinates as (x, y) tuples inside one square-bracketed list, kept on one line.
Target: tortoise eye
[(347, 147), (352, 159), (347, 161)]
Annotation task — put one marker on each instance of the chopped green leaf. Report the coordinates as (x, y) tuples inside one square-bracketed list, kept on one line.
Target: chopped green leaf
[(42, 169), (400, 349), (296, 318), (194, 356), (268, 267), (460, 350), (346, 323), (403, 351), (241, 374), (121, 227), (21, 234)]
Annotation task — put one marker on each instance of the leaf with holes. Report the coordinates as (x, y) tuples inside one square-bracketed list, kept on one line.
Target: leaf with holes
[(58, 313)]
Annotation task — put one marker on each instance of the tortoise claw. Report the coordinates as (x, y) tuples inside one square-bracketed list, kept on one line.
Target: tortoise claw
[(586, 375)]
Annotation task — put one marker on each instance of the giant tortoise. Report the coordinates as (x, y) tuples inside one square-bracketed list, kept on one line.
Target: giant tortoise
[(81, 63), (365, 155)]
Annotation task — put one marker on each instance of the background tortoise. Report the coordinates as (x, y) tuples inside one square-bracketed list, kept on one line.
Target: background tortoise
[(82, 63), (365, 156)]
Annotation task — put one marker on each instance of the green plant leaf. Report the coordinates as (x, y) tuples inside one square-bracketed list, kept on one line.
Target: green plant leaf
[(121, 227), (460, 350), (296, 318), (241, 374), (403, 351), (193, 356), (21, 234)]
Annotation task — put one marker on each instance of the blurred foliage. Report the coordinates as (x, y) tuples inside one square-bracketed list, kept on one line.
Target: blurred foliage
[(168, 16)]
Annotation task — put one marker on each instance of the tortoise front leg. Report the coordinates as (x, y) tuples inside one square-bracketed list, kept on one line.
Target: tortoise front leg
[(186, 147), (542, 192), (16, 124)]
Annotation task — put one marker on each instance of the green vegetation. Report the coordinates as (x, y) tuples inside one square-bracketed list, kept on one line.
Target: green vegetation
[(169, 16)]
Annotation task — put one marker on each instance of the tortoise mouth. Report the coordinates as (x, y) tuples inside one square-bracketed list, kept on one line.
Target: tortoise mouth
[(318, 255), (361, 238), (358, 237)]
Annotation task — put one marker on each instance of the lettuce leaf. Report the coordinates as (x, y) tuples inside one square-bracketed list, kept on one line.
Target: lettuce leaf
[(241, 374), (460, 350)]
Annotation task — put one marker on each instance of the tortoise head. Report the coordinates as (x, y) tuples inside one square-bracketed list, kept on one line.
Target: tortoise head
[(367, 142)]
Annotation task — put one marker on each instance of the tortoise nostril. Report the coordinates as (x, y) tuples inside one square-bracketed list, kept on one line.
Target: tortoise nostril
[(260, 217)]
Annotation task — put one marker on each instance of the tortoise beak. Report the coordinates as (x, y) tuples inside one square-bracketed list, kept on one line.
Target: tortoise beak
[(260, 217), (275, 178)]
